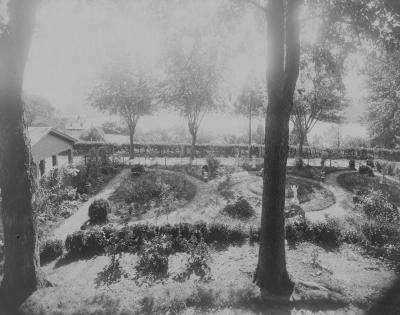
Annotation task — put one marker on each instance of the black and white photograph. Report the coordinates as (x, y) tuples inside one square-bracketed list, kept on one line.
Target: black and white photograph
[(199, 157)]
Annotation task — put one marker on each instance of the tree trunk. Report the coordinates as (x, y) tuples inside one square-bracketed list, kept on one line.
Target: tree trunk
[(193, 147), (271, 274), (131, 149), (21, 265)]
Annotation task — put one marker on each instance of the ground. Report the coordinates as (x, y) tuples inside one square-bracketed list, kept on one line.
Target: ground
[(344, 281)]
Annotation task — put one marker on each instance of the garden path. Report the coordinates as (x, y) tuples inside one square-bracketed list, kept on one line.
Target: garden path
[(344, 200), (74, 222), (206, 202)]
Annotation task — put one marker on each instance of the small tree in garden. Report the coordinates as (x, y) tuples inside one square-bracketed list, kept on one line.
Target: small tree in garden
[(125, 91), (192, 82), (98, 210), (251, 102)]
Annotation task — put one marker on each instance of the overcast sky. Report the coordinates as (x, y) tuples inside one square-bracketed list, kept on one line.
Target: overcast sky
[(73, 41)]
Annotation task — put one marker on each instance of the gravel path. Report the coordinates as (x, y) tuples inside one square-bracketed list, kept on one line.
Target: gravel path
[(344, 200), (74, 222)]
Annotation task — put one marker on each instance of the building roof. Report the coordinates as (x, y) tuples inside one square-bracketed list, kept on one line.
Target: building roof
[(38, 133)]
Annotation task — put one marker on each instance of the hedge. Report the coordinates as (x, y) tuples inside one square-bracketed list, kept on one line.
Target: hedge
[(233, 150)]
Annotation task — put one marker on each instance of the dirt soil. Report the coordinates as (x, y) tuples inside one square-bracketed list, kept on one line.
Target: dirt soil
[(336, 282)]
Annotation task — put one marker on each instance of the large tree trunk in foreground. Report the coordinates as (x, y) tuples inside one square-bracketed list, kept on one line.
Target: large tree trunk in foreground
[(271, 274), (21, 266)]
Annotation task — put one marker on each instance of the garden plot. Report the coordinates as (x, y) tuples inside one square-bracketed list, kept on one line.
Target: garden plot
[(149, 195)]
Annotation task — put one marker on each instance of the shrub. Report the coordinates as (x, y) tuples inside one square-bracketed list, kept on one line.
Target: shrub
[(212, 164), (153, 261), (50, 250), (293, 211), (376, 205), (84, 243), (98, 210), (298, 163), (138, 169), (352, 164), (365, 170), (197, 262), (296, 232), (326, 234), (380, 233), (370, 163), (241, 209)]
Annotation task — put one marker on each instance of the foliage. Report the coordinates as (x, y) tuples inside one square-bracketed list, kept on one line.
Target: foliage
[(55, 198), (376, 205), (197, 262), (320, 95), (383, 112), (192, 81), (365, 170), (40, 113), (352, 164), (294, 211), (326, 234), (98, 210), (50, 250), (86, 243), (240, 209), (149, 186), (93, 134), (212, 164), (132, 238), (356, 182), (138, 169), (153, 258), (370, 163)]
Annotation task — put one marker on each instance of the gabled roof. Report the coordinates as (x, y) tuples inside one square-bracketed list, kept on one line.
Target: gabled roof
[(38, 133)]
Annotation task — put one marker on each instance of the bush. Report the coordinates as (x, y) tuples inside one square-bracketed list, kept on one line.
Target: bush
[(241, 209), (376, 205), (365, 170), (138, 169), (98, 210), (197, 262), (50, 250), (212, 164), (153, 261), (293, 211), (352, 164), (84, 243), (380, 233), (370, 163), (325, 233), (298, 163)]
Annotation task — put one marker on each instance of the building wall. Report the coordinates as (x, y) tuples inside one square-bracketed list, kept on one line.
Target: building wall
[(49, 146)]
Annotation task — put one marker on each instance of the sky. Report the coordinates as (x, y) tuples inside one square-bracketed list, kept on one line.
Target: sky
[(74, 40)]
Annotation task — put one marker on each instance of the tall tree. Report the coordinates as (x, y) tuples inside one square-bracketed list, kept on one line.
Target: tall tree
[(283, 70), (125, 91), (40, 113), (251, 103), (320, 92), (383, 77), (192, 82), (21, 266)]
